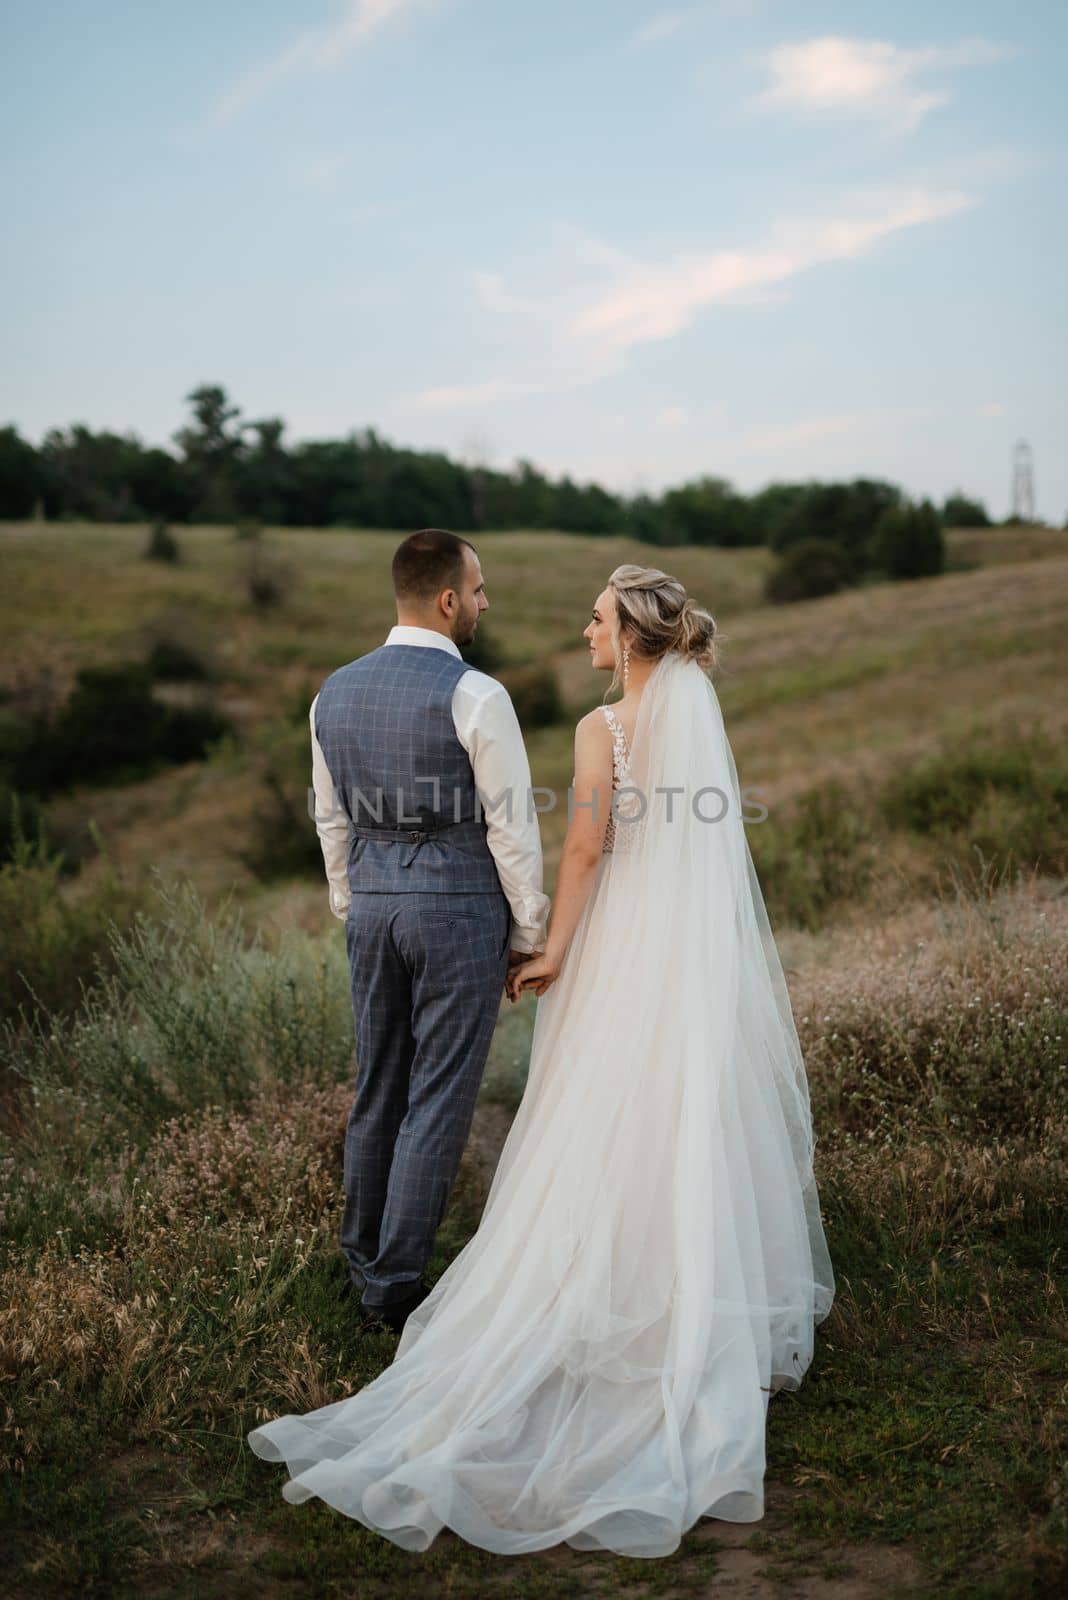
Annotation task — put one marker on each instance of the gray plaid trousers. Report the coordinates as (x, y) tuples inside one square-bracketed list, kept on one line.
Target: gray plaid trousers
[(428, 974)]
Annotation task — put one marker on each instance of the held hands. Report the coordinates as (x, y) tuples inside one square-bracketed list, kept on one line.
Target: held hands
[(535, 972)]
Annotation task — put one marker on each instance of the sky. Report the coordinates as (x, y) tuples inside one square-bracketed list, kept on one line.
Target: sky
[(769, 240)]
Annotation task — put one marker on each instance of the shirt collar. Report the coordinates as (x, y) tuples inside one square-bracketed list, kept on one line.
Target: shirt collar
[(406, 633)]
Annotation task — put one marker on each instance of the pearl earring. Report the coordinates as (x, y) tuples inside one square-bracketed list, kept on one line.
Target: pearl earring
[(626, 666)]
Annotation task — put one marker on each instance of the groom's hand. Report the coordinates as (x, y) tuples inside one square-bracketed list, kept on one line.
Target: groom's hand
[(537, 974), (516, 959)]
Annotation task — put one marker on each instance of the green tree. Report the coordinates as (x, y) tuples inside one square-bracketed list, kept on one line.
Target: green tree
[(848, 513), (264, 474), (20, 474), (806, 570), (908, 542), (705, 511), (212, 449), (960, 512), (90, 475)]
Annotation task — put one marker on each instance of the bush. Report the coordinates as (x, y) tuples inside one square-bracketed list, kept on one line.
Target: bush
[(820, 855), (267, 579), (162, 545), (908, 542), (280, 839), (960, 512), (113, 729), (808, 569), (108, 730), (536, 696), (173, 661), (20, 816), (177, 648), (484, 651), (1009, 800), (54, 945), (191, 1014)]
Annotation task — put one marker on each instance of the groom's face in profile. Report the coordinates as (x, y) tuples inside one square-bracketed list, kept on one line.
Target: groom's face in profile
[(470, 600)]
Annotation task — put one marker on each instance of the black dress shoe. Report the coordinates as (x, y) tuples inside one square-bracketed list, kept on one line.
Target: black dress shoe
[(366, 1316), (396, 1314)]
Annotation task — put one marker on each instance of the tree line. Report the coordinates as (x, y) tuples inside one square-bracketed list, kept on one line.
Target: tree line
[(225, 469)]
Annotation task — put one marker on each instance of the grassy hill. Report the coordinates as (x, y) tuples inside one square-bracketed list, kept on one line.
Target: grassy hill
[(852, 686), (170, 1145)]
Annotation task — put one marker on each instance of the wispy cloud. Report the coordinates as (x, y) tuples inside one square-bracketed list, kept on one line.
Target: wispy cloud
[(494, 295), (667, 24), (779, 440), (657, 28), (461, 396), (789, 435), (313, 50), (594, 303), (658, 300), (866, 77)]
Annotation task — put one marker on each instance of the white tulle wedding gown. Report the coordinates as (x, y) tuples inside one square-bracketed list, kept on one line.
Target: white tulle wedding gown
[(595, 1365)]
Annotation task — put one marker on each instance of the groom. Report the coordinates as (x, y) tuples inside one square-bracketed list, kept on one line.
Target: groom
[(433, 859)]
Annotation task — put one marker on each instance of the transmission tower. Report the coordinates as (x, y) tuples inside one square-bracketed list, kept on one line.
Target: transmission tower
[(1023, 483)]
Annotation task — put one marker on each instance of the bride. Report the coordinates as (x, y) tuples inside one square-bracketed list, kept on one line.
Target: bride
[(595, 1365)]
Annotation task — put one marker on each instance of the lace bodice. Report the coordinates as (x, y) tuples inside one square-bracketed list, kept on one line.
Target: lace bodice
[(620, 769)]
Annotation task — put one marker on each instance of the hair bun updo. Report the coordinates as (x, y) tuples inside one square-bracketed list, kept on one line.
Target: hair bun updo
[(660, 616), (696, 633)]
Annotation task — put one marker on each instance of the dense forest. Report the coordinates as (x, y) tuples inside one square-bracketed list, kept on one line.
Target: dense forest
[(225, 469)]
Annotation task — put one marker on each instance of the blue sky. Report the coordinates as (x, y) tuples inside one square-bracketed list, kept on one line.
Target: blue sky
[(627, 241)]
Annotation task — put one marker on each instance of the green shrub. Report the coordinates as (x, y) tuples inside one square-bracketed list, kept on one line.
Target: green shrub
[(108, 729), (808, 569), (267, 578), (190, 732), (958, 511), (484, 651), (175, 660), (20, 817), (162, 545), (536, 696), (908, 542), (113, 729), (280, 840), (54, 943), (819, 855), (191, 1014), (1009, 798)]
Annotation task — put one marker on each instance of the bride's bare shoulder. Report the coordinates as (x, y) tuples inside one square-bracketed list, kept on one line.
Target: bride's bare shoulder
[(593, 746), (593, 729)]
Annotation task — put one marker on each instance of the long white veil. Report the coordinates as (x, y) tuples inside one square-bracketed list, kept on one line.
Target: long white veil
[(595, 1365)]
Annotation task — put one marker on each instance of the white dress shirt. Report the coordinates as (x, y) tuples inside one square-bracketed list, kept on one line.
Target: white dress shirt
[(488, 728)]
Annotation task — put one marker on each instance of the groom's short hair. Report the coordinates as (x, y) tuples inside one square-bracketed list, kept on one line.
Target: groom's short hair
[(427, 562)]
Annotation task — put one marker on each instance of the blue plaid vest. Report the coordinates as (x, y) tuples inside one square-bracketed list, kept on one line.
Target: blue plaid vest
[(404, 780)]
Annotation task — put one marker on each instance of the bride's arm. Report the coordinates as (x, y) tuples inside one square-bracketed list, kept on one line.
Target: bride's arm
[(591, 807)]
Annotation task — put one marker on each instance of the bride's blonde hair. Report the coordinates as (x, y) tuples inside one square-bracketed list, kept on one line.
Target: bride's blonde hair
[(658, 615)]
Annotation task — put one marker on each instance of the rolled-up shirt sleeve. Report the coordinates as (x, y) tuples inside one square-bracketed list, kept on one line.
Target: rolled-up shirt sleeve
[(488, 728), (332, 826)]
